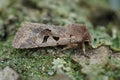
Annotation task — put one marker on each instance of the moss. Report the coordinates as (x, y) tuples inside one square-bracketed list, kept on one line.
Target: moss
[(35, 64)]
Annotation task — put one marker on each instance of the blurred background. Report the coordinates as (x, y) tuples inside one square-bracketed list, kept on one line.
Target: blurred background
[(95, 14), (102, 18)]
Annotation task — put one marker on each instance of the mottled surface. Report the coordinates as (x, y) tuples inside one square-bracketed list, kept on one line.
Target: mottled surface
[(36, 64), (9, 74), (94, 66), (32, 35)]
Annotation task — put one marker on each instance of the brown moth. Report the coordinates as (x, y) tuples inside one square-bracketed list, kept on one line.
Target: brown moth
[(33, 35)]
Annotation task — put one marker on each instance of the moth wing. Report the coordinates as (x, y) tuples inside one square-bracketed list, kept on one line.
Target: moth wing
[(29, 35), (25, 36)]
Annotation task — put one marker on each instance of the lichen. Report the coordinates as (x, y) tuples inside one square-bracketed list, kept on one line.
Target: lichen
[(36, 64)]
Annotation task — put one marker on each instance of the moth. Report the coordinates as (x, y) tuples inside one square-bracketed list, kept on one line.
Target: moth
[(33, 35)]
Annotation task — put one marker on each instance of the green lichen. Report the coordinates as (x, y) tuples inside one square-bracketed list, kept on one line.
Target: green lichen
[(116, 42), (40, 63)]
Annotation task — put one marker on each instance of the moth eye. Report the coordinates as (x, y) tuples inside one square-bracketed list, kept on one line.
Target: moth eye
[(55, 38), (45, 39)]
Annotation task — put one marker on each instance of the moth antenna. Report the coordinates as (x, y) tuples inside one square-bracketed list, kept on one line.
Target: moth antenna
[(84, 52)]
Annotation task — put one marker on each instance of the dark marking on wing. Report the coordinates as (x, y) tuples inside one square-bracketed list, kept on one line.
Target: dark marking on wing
[(45, 39), (56, 38)]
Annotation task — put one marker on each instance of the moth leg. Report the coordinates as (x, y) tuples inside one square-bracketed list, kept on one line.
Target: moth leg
[(84, 52), (83, 47), (69, 46)]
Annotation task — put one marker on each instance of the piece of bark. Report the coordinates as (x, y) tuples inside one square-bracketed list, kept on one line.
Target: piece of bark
[(93, 66), (9, 74)]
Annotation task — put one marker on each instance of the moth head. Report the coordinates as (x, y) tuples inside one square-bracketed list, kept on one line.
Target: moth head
[(76, 30), (80, 32)]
